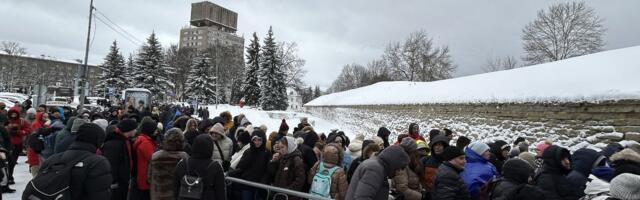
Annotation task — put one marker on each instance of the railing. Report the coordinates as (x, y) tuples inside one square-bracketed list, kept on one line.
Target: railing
[(278, 191)]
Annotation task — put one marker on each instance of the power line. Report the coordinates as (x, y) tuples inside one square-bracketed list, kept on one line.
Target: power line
[(118, 26), (117, 31)]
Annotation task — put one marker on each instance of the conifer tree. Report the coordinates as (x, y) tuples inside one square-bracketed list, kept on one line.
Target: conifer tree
[(272, 77), (250, 87)]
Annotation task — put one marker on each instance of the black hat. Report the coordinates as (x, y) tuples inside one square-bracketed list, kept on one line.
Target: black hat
[(127, 125), (91, 133), (202, 146), (244, 137), (451, 152), (148, 127)]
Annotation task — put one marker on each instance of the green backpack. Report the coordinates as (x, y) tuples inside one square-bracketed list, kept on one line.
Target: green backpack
[(321, 185)]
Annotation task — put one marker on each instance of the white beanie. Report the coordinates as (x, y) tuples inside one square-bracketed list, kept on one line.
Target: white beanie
[(478, 147), (102, 123), (626, 187)]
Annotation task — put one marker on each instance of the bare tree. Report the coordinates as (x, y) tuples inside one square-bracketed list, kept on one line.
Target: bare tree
[(566, 30), (352, 76), (12, 67), (292, 64), (500, 63), (418, 59), (180, 59), (13, 48)]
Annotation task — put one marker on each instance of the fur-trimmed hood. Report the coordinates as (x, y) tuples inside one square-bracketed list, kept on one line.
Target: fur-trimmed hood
[(626, 154)]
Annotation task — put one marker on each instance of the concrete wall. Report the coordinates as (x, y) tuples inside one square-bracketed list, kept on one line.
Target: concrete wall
[(568, 122)]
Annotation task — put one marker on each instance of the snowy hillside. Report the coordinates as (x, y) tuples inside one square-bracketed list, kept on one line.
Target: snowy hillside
[(609, 75)]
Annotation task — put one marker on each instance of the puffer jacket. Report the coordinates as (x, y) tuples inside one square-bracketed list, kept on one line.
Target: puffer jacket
[(339, 183), (162, 170), (513, 185), (407, 183), (583, 161), (227, 149), (143, 148), (288, 172), (432, 163), (596, 189), (18, 128), (477, 172), (369, 181), (448, 185)]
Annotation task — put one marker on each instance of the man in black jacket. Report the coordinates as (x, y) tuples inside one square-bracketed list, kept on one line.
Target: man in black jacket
[(448, 185), (90, 178), (117, 149)]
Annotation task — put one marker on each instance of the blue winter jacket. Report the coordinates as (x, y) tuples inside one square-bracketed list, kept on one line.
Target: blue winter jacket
[(477, 172)]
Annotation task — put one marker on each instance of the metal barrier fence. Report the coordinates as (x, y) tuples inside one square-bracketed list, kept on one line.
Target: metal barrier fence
[(278, 191)]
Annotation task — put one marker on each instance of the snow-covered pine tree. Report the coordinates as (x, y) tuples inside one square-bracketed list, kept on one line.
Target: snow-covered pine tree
[(200, 85), (150, 70), (250, 87), (113, 75), (273, 90), (128, 74)]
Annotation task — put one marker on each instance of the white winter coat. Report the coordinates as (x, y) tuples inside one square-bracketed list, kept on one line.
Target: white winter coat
[(597, 189)]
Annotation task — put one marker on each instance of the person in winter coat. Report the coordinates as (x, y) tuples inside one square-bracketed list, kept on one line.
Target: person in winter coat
[(626, 161), (448, 185), (144, 147), (222, 145), (306, 149), (384, 133), (583, 161), (253, 165), (540, 147), (432, 163), (332, 155), (596, 189), (34, 159), (191, 131), (244, 138), (92, 179), (66, 137), (414, 132), (341, 139), (200, 164), (369, 150), (286, 168), (163, 165), (228, 123), (355, 147), (18, 129), (478, 171), (369, 181), (462, 142), (514, 184), (118, 151), (500, 150), (552, 178), (625, 187), (406, 182)]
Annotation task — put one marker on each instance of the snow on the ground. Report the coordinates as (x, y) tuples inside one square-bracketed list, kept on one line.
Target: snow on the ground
[(21, 176), (608, 75), (272, 119)]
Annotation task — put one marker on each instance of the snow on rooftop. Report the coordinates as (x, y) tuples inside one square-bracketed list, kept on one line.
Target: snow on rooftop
[(50, 58), (608, 75)]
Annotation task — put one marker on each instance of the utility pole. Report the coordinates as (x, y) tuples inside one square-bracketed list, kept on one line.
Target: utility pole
[(85, 68)]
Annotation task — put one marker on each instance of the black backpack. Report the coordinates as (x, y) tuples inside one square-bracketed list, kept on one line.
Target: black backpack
[(36, 140), (54, 181), (192, 186)]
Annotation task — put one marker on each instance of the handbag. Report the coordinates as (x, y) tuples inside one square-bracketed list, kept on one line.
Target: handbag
[(191, 186)]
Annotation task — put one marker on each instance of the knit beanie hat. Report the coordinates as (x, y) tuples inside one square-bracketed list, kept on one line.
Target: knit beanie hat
[(91, 133), (478, 147), (283, 126), (542, 146), (451, 152), (409, 145), (626, 187), (77, 123), (127, 125), (529, 157), (148, 127)]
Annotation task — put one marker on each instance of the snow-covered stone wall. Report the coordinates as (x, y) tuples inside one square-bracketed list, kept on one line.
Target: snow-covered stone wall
[(568, 124)]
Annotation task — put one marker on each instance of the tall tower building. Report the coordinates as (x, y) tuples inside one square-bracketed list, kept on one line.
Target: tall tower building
[(211, 24)]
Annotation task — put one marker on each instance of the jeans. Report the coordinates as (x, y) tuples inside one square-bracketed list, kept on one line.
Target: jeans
[(13, 158)]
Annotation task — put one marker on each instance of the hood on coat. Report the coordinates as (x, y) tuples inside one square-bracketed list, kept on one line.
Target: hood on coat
[(596, 186), (244, 121), (497, 147), (310, 138), (14, 110), (584, 159), (611, 149), (439, 139), (39, 117), (394, 158), (553, 156), (626, 154), (517, 170), (291, 144), (260, 134), (473, 157), (202, 147)]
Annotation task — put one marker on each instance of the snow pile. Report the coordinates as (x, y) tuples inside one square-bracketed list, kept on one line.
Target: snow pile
[(609, 75)]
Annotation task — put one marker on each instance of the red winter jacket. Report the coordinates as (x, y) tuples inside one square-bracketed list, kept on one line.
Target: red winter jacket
[(32, 157), (22, 127), (38, 122), (144, 148)]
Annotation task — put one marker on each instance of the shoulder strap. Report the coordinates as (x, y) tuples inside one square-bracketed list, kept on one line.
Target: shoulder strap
[(219, 150)]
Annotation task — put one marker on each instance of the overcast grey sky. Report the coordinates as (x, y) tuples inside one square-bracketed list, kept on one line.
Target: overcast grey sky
[(329, 33)]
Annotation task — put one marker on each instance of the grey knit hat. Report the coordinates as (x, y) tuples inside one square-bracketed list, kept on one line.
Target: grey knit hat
[(77, 123), (478, 147), (626, 187), (409, 145)]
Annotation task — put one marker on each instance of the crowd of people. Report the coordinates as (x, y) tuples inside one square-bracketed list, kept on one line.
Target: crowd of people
[(167, 153)]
